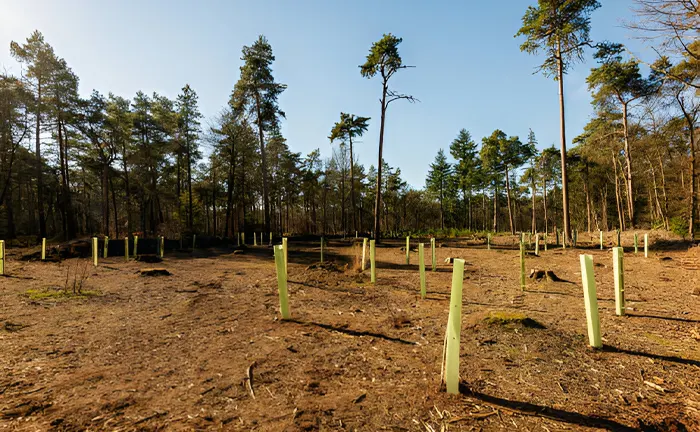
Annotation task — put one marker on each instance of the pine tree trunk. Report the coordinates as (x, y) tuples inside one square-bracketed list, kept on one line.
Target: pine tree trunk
[(604, 207), (213, 199), (105, 199), (263, 165), (564, 176), (628, 166), (693, 184), (190, 220), (534, 214), (617, 197), (39, 166), (127, 189), (663, 190), (352, 187), (114, 207), (469, 203), (510, 211), (62, 169), (378, 192), (544, 199), (495, 206), (70, 212), (586, 191)]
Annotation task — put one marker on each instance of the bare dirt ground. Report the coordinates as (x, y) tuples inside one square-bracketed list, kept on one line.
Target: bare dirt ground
[(172, 352)]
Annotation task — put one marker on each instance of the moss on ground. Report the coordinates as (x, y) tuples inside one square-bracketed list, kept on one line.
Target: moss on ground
[(59, 294)]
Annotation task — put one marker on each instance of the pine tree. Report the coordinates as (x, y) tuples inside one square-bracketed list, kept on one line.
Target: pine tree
[(383, 59), (463, 149), (188, 131), (41, 62), (350, 126), (560, 28), (439, 177), (257, 92)]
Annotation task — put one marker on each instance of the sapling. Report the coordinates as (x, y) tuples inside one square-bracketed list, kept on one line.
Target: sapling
[(635, 243), (43, 249), (106, 247), (454, 327), (162, 246), (136, 245), (126, 249), (432, 251), (255, 239), (591, 301), (488, 241)]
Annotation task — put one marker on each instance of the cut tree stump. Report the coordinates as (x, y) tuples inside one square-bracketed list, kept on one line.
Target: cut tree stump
[(154, 272), (538, 275)]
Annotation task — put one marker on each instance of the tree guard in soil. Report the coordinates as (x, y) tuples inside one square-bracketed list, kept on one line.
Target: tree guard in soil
[(591, 301), (454, 327), (619, 274), (282, 281), (372, 264)]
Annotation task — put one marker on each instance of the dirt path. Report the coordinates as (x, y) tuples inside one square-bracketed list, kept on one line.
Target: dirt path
[(172, 352)]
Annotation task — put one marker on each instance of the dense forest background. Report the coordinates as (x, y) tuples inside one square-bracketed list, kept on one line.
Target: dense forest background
[(121, 164)]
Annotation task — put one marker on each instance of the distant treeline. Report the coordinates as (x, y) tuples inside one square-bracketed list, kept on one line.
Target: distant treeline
[(105, 164)]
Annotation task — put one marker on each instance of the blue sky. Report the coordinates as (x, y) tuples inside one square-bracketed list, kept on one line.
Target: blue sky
[(469, 70)]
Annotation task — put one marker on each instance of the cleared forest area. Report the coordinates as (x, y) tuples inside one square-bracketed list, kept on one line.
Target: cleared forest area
[(205, 348)]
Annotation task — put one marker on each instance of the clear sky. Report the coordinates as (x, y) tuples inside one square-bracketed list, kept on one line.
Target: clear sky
[(469, 70)]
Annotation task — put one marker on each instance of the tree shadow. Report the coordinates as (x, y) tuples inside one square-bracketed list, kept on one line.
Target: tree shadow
[(673, 359), (351, 332), (552, 292), (663, 318), (412, 267), (560, 415)]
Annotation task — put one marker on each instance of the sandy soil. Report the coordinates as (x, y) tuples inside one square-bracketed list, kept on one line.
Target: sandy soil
[(172, 352)]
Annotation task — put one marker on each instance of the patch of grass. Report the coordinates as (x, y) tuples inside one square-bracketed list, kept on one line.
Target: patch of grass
[(509, 318), (58, 294), (657, 339)]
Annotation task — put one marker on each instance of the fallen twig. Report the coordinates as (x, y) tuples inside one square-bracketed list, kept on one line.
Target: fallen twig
[(655, 386), (249, 379), (473, 416), (152, 416)]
